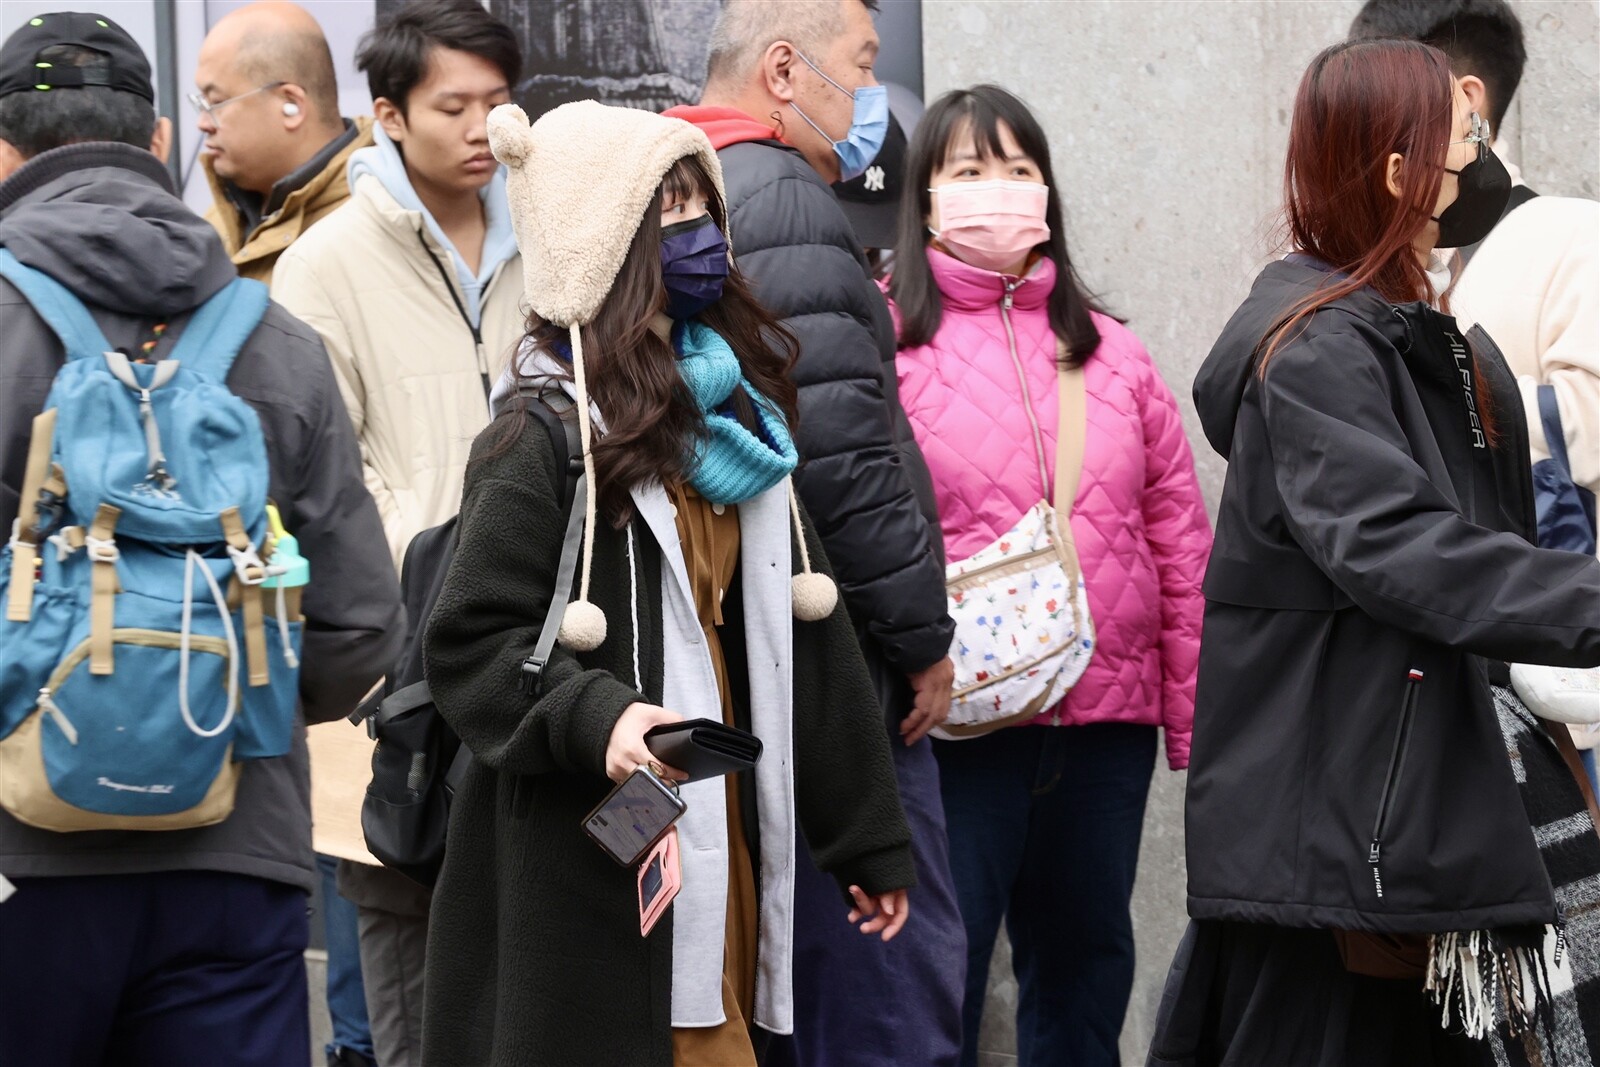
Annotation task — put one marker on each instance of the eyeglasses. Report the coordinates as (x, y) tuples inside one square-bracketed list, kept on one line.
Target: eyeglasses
[(206, 107), (1479, 134)]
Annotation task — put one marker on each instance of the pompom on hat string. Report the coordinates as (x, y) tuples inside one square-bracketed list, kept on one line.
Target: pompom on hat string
[(574, 236)]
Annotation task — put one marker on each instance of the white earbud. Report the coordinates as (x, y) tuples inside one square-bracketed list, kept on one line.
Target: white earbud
[(291, 108)]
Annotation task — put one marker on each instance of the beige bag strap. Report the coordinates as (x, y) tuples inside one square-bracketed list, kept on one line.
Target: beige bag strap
[(1072, 433), (248, 587), (104, 587), (19, 606)]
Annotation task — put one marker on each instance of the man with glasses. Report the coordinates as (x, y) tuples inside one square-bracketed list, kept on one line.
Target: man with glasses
[(174, 946), (276, 147), (276, 155)]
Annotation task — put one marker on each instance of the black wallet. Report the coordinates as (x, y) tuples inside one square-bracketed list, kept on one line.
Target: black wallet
[(704, 748)]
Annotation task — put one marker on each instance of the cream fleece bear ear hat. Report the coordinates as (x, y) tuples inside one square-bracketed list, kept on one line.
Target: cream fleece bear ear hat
[(579, 181)]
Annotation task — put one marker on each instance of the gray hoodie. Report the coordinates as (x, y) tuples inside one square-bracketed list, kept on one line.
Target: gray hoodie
[(104, 220)]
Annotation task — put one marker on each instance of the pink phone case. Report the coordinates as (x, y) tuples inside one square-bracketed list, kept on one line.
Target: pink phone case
[(663, 857)]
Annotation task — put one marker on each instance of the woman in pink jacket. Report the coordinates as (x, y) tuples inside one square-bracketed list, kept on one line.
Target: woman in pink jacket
[(1044, 819)]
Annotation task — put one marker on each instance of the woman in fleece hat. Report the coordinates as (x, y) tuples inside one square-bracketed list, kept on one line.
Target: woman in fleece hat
[(701, 594)]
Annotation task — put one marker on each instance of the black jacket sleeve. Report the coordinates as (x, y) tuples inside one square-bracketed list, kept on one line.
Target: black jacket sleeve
[(355, 624), (488, 617), (794, 245), (847, 796), (1367, 514)]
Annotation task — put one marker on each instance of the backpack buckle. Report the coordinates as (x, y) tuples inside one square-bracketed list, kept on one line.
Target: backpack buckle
[(47, 514), (247, 565), (102, 550), (532, 668), (67, 540)]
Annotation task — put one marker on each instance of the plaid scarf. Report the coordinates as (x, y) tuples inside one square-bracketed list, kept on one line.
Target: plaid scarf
[(1570, 849)]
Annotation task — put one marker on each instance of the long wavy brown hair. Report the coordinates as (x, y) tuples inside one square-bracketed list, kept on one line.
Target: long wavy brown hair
[(651, 420)]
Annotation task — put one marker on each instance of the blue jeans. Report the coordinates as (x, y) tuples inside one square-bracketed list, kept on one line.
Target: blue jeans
[(347, 1000), (1044, 826)]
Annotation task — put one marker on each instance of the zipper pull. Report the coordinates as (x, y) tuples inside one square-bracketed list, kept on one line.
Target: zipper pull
[(48, 705), (1561, 938)]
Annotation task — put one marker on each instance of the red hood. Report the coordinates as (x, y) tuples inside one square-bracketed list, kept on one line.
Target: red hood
[(724, 125)]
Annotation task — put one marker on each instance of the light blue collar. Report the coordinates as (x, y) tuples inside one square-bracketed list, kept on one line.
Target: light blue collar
[(383, 162)]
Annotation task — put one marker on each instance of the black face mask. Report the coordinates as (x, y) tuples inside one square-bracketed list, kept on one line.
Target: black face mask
[(1482, 189)]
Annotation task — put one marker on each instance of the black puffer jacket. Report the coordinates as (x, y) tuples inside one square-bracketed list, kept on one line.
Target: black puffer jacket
[(863, 479), (1370, 556)]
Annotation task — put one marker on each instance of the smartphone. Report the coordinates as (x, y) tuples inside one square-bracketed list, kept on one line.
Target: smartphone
[(634, 816), (659, 882)]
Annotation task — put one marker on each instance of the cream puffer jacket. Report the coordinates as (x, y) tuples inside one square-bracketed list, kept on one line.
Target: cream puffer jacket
[(372, 279), (380, 289)]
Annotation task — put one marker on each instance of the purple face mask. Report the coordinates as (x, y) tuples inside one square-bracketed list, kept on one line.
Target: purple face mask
[(694, 264)]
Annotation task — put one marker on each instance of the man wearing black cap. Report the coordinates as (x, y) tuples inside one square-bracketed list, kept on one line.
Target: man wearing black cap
[(170, 946), (872, 201)]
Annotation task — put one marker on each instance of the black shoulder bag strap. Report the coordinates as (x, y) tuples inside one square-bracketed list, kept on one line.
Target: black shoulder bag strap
[(547, 409)]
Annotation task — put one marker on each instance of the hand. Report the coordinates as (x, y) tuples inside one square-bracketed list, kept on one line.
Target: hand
[(626, 750), (932, 704), (886, 911)]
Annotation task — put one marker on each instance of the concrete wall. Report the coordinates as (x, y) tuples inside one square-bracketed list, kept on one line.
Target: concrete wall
[(1168, 122)]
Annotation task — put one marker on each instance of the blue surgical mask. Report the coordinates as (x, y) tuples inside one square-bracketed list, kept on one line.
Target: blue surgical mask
[(694, 264), (868, 126)]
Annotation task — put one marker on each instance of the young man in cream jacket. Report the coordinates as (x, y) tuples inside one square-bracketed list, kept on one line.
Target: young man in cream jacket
[(415, 286)]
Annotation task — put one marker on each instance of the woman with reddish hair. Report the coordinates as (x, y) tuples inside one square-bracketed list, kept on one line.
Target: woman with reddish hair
[(1364, 882)]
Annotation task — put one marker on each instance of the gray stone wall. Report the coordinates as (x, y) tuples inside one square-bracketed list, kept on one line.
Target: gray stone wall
[(1168, 122)]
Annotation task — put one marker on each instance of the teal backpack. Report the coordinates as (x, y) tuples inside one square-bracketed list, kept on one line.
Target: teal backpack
[(151, 629)]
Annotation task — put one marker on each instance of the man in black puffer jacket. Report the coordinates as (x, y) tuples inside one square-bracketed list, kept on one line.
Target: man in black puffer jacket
[(865, 484)]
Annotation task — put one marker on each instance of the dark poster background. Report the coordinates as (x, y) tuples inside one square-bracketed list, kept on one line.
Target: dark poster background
[(648, 53)]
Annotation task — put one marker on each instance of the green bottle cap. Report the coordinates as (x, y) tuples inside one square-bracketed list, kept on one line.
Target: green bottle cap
[(286, 553)]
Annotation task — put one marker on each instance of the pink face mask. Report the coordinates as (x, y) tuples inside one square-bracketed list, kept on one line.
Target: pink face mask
[(992, 224)]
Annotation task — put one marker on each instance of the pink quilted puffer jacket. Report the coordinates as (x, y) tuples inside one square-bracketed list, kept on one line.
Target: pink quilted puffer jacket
[(1139, 521)]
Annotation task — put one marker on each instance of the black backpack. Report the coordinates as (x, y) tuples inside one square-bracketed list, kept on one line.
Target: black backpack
[(419, 761)]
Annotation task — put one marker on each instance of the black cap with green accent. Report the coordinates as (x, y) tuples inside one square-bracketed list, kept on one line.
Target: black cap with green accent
[(23, 70)]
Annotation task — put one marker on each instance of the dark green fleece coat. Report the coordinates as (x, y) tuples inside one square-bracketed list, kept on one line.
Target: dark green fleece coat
[(534, 953)]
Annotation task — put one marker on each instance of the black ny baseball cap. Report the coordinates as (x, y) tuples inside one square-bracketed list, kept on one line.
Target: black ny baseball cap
[(872, 201), (21, 70)]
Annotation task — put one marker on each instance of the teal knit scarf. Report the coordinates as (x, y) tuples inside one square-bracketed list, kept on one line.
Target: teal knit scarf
[(730, 465)]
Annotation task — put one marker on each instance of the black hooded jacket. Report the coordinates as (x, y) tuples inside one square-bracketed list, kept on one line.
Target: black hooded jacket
[(104, 221), (1371, 560)]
